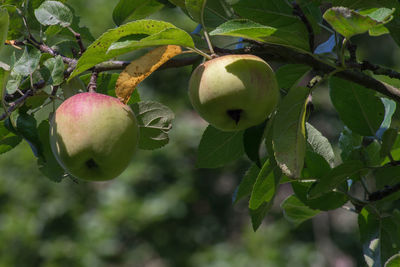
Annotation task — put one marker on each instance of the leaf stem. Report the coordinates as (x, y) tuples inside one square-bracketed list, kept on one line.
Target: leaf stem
[(342, 50)]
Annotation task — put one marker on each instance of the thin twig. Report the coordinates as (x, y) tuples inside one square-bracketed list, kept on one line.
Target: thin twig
[(92, 86), (78, 40)]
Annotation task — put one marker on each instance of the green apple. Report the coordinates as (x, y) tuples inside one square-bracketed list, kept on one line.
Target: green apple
[(234, 92), (93, 136)]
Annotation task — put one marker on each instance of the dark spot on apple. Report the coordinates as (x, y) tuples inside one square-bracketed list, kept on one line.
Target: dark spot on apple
[(234, 114), (91, 164)]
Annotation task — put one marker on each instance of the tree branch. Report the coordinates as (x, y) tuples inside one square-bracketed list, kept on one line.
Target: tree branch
[(381, 194), (289, 55)]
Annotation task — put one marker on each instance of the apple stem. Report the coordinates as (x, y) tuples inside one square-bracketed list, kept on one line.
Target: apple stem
[(92, 86), (206, 36), (198, 51)]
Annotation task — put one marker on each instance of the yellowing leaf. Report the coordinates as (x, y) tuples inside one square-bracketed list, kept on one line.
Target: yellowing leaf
[(141, 68)]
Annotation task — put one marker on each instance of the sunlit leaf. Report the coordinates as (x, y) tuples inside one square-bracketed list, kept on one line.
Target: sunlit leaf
[(244, 28), (52, 13), (28, 62), (56, 68), (99, 51), (348, 22), (320, 144)]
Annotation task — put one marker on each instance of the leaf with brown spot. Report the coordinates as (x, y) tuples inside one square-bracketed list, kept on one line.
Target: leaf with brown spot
[(141, 68)]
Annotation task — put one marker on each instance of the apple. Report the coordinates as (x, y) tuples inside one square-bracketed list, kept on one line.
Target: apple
[(234, 92), (93, 136)]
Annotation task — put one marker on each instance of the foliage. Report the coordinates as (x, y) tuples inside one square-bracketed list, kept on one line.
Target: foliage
[(314, 42)]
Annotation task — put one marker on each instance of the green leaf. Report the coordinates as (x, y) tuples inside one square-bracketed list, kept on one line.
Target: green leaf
[(325, 202), (28, 62), (289, 139), (320, 144), (4, 73), (252, 140), (179, 3), (76, 85), (265, 187), (13, 83), (4, 22), (195, 9), (390, 109), (218, 148), (335, 177), (290, 75), (386, 176), (26, 126), (48, 164), (276, 14), (36, 100), (52, 13), (348, 142), (348, 22), (388, 140), (315, 165), (8, 140), (56, 68), (246, 185), (371, 154), (98, 51), (18, 29), (244, 28), (380, 235), (155, 122), (383, 15), (134, 10), (295, 211), (393, 261), (258, 215), (358, 107), (165, 37)]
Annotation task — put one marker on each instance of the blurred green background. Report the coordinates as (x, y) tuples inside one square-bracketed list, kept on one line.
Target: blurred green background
[(163, 211)]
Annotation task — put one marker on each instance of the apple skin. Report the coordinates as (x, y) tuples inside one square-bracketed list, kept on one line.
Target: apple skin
[(93, 136), (234, 92)]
